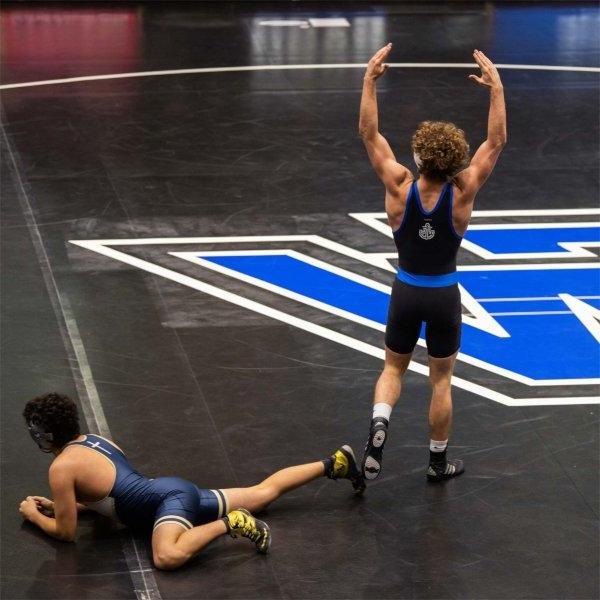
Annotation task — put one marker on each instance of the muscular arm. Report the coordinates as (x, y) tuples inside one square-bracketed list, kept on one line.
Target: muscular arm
[(484, 160), (380, 154), (46, 506), (63, 524)]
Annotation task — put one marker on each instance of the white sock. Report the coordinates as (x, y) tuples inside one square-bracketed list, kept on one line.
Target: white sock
[(437, 446), (381, 409)]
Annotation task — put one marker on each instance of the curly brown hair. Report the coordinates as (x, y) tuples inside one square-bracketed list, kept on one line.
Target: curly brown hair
[(442, 149), (57, 414)]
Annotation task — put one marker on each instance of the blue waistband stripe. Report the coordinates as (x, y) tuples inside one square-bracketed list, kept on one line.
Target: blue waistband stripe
[(427, 280)]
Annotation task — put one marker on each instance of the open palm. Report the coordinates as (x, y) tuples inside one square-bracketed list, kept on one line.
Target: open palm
[(489, 74), (376, 67)]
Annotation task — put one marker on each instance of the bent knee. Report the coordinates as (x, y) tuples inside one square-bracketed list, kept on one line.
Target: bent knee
[(167, 560)]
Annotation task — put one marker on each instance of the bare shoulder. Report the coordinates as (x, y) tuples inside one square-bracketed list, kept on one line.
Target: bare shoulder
[(63, 466), (70, 457), (466, 187), (395, 201), (462, 205)]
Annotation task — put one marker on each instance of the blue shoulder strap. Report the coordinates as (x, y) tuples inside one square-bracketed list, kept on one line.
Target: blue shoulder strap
[(95, 442)]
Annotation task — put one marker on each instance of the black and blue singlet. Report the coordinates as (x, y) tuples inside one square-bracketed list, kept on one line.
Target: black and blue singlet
[(425, 289), (143, 503)]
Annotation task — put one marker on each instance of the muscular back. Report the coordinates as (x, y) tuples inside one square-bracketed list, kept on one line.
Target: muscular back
[(464, 198), (93, 473)]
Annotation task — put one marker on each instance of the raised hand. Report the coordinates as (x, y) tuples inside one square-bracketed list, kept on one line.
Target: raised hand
[(489, 74), (376, 67)]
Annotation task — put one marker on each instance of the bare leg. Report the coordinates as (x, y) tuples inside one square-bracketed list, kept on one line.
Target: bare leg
[(440, 420), (259, 496), (387, 392), (440, 409), (172, 546), (389, 384)]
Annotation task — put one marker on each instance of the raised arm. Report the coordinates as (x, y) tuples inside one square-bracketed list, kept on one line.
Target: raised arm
[(380, 154), (484, 160)]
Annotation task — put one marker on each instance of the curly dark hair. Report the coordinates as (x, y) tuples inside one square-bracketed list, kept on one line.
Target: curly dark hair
[(58, 415), (442, 148)]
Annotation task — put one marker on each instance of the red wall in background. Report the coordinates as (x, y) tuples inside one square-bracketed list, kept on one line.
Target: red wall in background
[(49, 43)]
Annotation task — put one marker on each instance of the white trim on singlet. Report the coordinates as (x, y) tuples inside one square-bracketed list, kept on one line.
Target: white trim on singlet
[(175, 520)]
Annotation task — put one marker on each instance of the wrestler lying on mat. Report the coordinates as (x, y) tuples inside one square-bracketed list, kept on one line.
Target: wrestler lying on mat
[(91, 472)]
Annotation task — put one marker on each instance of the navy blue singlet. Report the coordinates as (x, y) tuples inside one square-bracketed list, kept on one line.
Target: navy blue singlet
[(144, 503)]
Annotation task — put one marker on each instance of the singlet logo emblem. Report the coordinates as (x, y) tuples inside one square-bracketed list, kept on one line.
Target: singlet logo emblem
[(426, 232)]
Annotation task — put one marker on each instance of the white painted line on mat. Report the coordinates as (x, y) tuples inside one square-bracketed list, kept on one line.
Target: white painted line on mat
[(571, 250), (588, 315), (511, 226), (9, 86), (142, 577), (537, 212), (195, 257), (100, 247), (378, 222), (534, 298), (480, 319), (366, 257)]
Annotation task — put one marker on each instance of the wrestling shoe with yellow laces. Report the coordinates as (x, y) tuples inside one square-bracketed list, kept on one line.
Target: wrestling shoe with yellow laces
[(342, 465), (240, 523)]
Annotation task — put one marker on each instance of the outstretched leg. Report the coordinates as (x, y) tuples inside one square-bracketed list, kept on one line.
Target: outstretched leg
[(341, 465), (172, 546), (440, 419), (258, 497), (387, 392)]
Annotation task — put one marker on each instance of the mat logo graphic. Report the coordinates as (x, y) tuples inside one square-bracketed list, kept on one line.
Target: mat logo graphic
[(536, 324), (427, 232)]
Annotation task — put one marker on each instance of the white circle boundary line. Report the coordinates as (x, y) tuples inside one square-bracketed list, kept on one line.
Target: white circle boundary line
[(9, 86)]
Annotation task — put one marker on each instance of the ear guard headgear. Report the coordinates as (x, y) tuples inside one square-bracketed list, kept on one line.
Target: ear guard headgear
[(44, 439)]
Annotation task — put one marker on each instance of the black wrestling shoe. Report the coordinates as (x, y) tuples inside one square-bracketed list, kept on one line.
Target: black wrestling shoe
[(240, 523), (342, 465), (371, 464), (441, 469)]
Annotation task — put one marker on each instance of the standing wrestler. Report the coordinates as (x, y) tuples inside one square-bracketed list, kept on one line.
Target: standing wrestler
[(428, 216)]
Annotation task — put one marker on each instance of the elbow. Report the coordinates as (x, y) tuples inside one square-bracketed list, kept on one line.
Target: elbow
[(365, 134), (499, 141), (65, 536), (366, 128)]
